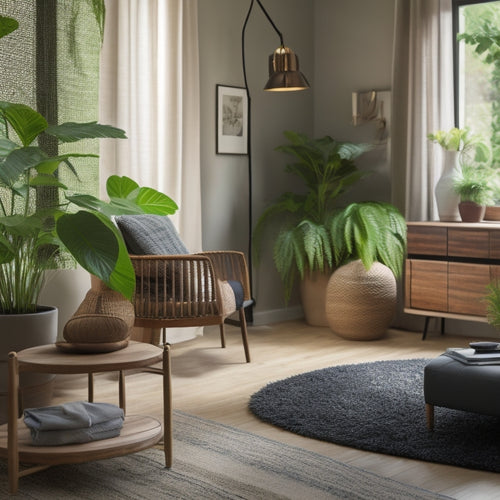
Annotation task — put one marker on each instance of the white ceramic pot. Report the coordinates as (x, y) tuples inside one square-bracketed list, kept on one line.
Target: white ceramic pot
[(18, 332), (446, 198)]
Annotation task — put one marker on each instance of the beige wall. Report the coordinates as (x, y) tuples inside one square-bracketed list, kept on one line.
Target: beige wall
[(353, 52), (225, 177), (343, 46)]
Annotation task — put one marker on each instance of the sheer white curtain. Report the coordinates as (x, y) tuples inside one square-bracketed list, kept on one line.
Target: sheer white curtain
[(149, 86), (422, 101)]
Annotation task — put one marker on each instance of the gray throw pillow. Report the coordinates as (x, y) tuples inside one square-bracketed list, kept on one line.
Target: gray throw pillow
[(150, 235)]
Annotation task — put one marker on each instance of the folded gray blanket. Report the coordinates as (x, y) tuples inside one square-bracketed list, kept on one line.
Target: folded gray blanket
[(103, 430), (77, 422), (75, 415)]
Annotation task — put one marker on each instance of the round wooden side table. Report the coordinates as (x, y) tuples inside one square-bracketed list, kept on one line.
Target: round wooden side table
[(138, 433)]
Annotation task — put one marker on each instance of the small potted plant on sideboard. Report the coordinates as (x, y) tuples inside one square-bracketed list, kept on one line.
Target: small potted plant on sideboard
[(473, 186)]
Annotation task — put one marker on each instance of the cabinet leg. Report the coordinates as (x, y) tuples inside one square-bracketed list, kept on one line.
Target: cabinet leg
[(167, 407), (426, 326), (91, 387), (121, 391)]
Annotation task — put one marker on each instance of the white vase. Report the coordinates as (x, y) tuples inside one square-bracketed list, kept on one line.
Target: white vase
[(446, 198)]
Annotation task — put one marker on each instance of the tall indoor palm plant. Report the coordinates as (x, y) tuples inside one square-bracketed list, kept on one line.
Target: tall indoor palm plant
[(327, 167)]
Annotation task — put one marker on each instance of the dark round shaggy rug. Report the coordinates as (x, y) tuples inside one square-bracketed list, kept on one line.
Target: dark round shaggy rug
[(379, 407)]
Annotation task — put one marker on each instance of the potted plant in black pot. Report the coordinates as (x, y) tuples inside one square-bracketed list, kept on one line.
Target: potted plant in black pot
[(473, 185), (302, 247), (369, 242)]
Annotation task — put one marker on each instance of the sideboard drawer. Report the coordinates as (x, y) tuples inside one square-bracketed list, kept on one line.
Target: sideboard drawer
[(471, 243), (495, 245), (427, 240)]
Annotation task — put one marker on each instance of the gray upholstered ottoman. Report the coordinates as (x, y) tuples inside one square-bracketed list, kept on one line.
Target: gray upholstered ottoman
[(453, 384)]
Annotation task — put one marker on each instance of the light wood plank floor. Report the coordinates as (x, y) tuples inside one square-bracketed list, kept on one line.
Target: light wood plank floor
[(216, 384)]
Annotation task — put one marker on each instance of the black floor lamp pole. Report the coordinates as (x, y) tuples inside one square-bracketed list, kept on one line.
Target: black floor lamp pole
[(284, 75), (248, 310)]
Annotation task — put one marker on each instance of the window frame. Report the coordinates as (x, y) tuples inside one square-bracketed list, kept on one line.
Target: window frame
[(455, 6)]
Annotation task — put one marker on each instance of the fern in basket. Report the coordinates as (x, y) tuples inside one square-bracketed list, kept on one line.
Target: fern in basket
[(372, 232)]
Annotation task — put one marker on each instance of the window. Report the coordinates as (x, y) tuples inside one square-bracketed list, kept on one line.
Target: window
[(477, 69)]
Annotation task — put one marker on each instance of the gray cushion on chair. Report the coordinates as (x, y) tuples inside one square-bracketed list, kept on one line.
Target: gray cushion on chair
[(150, 235)]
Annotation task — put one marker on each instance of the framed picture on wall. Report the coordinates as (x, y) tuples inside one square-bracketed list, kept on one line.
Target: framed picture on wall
[(232, 120)]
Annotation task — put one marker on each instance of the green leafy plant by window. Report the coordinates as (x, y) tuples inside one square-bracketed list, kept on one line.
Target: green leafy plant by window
[(31, 237)]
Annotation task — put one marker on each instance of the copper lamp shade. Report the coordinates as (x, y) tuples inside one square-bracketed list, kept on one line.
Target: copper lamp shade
[(284, 74)]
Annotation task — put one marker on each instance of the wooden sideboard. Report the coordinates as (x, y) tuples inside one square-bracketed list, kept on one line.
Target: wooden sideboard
[(448, 268)]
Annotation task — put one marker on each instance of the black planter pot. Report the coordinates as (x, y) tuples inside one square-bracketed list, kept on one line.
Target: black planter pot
[(18, 332)]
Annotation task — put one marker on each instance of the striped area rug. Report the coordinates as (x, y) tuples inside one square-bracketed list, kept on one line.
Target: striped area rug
[(213, 461)]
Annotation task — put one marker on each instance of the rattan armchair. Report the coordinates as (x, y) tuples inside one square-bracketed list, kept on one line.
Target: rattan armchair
[(180, 289)]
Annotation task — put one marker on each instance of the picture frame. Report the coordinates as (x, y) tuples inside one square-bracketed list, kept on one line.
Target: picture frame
[(232, 120)]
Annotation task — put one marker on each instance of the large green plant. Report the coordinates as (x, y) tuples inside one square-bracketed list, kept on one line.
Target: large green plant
[(371, 231), (328, 169), (32, 238)]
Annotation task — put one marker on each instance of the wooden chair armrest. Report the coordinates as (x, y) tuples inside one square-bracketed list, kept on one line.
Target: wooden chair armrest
[(231, 265)]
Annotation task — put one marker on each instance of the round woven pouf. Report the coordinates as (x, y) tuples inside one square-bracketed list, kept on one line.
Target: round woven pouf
[(360, 304)]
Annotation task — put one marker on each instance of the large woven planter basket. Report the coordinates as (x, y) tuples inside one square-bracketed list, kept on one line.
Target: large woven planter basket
[(361, 304)]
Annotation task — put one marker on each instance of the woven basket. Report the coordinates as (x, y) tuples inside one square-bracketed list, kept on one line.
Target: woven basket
[(104, 317), (360, 304)]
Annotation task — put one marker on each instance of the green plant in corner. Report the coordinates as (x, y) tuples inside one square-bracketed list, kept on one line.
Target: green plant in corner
[(372, 232), (327, 168)]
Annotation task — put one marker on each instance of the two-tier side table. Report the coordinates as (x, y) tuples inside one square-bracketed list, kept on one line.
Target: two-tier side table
[(138, 433)]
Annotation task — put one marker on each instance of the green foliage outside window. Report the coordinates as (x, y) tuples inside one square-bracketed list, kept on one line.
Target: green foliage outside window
[(481, 34)]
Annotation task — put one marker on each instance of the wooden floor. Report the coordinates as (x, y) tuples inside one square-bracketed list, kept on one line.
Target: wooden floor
[(216, 383)]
